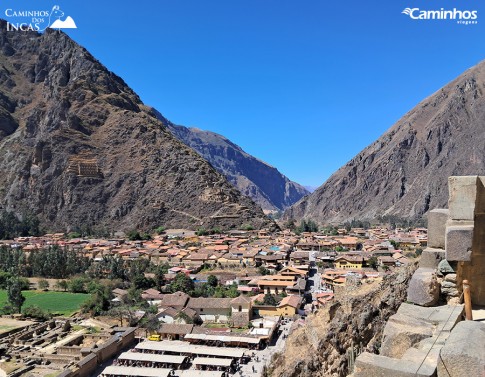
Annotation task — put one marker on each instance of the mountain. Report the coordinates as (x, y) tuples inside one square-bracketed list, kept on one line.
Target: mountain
[(78, 148), (405, 172), (254, 178)]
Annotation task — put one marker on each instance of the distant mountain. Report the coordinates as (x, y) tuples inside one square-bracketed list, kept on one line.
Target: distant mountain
[(310, 189), (254, 178), (79, 149), (405, 171)]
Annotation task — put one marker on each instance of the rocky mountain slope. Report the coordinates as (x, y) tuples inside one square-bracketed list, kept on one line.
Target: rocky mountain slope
[(355, 319), (405, 171), (254, 178), (79, 149)]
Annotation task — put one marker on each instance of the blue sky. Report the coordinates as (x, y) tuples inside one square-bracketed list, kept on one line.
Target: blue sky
[(303, 84)]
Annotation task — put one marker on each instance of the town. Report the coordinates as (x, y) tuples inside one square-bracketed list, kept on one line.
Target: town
[(179, 302)]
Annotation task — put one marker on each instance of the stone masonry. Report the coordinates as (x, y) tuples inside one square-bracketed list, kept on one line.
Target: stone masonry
[(428, 340)]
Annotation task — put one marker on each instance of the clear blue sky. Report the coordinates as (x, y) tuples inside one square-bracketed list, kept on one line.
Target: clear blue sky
[(301, 84)]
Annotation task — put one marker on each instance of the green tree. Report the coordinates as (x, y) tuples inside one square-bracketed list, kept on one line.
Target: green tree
[(34, 311), (160, 272), (372, 262), (43, 284), (62, 285), (134, 235), (269, 299), (77, 285), (212, 281), (182, 283), (160, 230), (14, 294)]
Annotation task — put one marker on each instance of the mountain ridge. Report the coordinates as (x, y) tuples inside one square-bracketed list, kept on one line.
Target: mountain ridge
[(78, 148), (253, 177), (404, 172)]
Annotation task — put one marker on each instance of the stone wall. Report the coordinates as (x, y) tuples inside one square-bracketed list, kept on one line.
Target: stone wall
[(427, 338), (456, 245)]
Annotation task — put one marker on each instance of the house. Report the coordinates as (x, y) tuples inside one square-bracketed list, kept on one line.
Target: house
[(171, 315), (349, 262), (173, 331), (299, 258), (152, 296), (177, 300), (275, 286), (287, 307), (293, 271), (211, 309), (386, 261), (241, 311), (229, 259)]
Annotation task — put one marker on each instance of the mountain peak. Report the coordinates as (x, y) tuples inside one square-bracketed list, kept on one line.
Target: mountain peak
[(78, 148), (404, 173)]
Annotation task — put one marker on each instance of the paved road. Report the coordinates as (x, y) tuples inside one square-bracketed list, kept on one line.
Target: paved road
[(263, 357)]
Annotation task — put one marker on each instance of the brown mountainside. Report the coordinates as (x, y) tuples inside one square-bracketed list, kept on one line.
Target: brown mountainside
[(254, 178), (79, 149), (405, 172)]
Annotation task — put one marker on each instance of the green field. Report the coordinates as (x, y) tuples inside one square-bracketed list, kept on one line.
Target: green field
[(60, 303)]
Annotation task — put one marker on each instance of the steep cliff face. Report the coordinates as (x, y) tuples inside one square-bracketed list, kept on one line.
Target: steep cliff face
[(79, 148), (357, 317), (254, 178), (405, 171)]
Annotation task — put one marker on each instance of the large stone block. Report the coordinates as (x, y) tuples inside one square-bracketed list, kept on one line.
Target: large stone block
[(463, 197), (464, 351), (430, 258), (403, 332), (436, 227), (424, 288), (459, 240), (371, 365)]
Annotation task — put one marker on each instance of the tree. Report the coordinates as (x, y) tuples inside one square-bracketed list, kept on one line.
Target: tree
[(99, 300), (160, 272), (182, 283), (43, 284), (36, 312), (134, 235), (269, 299), (212, 281), (160, 230), (62, 285), (77, 285), (372, 262), (14, 294)]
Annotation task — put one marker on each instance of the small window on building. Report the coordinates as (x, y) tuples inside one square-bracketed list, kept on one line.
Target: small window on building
[(201, 309), (240, 308)]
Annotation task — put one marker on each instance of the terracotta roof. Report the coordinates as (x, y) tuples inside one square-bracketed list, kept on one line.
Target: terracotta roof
[(177, 299), (291, 300), (209, 303), (241, 300), (173, 328)]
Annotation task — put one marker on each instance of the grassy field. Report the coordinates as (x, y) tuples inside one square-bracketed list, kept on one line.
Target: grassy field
[(61, 303)]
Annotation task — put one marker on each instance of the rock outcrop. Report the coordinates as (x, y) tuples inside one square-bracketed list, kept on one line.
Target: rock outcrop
[(404, 172), (254, 178), (79, 149), (352, 324)]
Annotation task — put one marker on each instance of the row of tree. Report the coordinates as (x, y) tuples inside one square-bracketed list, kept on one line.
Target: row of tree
[(12, 226), (50, 262)]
